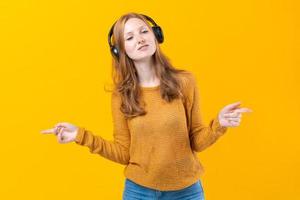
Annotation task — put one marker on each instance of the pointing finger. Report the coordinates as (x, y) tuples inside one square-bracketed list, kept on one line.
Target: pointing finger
[(48, 131), (242, 110), (232, 106)]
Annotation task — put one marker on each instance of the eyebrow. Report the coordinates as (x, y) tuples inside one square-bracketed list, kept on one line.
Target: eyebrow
[(139, 28)]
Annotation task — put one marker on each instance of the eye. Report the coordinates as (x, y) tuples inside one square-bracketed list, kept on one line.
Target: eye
[(144, 31)]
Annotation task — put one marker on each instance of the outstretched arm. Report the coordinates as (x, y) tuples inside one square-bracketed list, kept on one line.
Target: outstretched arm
[(116, 150), (201, 136)]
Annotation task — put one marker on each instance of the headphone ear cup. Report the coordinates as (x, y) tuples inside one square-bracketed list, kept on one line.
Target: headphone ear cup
[(114, 51), (158, 34)]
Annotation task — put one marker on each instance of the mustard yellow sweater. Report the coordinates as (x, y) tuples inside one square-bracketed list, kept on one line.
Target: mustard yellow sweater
[(159, 149)]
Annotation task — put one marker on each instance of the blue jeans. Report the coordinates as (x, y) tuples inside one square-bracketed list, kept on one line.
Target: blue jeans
[(134, 191)]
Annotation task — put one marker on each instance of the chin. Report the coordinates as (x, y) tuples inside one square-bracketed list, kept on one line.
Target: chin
[(144, 57)]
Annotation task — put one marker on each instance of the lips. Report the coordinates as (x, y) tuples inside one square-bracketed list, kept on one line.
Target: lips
[(143, 46)]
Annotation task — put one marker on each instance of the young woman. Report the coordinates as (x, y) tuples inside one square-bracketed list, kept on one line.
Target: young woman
[(157, 125)]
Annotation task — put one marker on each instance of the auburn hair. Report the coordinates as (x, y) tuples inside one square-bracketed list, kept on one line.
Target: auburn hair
[(125, 77)]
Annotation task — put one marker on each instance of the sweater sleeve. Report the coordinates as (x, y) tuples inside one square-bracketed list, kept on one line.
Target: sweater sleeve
[(201, 136), (116, 150)]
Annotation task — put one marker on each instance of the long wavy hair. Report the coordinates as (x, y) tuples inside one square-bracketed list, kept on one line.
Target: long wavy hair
[(125, 77)]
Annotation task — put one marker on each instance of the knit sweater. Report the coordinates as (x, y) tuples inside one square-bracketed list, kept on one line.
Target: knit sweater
[(159, 149)]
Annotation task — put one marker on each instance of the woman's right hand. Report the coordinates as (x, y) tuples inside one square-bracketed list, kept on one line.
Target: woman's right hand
[(64, 131)]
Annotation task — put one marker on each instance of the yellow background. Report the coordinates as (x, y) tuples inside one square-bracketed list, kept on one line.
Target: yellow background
[(55, 62)]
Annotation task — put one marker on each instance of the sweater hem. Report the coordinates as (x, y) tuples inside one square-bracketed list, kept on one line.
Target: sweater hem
[(146, 181)]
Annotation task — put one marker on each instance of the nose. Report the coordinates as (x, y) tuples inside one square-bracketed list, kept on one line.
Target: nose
[(141, 40)]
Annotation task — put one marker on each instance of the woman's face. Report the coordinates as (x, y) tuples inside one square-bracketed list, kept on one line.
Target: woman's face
[(136, 35)]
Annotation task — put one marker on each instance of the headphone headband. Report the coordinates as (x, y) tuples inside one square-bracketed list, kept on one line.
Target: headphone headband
[(156, 29)]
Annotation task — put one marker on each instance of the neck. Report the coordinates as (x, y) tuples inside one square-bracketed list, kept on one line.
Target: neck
[(146, 73)]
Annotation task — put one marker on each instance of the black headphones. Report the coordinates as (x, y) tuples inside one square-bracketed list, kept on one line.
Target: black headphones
[(156, 29)]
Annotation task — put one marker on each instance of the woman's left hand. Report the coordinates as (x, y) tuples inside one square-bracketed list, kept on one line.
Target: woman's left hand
[(230, 115)]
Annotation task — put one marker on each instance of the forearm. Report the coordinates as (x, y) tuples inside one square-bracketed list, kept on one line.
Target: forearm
[(111, 150), (204, 136)]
